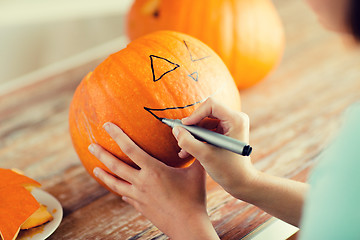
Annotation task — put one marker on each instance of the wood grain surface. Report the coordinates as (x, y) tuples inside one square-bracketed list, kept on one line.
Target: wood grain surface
[(294, 114)]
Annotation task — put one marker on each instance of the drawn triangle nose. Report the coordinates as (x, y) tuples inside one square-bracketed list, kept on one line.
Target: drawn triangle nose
[(194, 76)]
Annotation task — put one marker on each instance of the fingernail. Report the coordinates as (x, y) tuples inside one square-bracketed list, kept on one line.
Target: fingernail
[(181, 154), (91, 148), (184, 119), (175, 132), (96, 171), (106, 126)]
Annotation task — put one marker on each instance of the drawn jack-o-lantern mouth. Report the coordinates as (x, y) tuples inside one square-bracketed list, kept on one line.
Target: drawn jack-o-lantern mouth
[(153, 111), (172, 67)]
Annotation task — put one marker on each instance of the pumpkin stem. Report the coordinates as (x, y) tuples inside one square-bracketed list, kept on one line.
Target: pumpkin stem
[(151, 7)]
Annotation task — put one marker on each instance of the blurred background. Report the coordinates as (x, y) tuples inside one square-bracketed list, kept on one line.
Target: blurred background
[(41, 37)]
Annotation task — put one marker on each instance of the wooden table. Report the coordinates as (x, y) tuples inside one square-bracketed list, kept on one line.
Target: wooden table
[(294, 114)]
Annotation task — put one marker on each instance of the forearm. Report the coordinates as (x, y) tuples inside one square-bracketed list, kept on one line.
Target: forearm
[(280, 197), (197, 226)]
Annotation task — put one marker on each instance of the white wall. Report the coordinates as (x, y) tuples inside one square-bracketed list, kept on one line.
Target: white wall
[(37, 33)]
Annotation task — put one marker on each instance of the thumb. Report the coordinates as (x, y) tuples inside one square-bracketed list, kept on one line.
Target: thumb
[(187, 142)]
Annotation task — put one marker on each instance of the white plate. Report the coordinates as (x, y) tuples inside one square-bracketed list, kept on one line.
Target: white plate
[(44, 231)]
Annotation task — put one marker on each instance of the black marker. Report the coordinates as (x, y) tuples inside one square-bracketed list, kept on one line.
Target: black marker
[(212, 138)]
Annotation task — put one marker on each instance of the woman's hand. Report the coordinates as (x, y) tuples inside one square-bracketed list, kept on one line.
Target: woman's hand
[(233, 172), (173, 199), (281, 197)]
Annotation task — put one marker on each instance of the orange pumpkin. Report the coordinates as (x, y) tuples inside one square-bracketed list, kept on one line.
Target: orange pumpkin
[(247, 35), (163, 74)]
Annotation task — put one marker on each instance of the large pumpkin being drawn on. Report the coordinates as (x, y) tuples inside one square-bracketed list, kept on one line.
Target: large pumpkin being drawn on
[(247, 35), (163, 74)]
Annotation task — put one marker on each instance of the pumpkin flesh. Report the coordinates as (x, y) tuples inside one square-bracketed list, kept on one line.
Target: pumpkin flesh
[(16, 203)]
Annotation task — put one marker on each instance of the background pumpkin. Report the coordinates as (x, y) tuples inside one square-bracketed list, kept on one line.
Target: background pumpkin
[(247, 35), (165, 73)]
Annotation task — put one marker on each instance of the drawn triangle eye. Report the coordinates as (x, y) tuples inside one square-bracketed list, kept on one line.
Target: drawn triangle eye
[(161, 66), (193, 57), (194, 76)]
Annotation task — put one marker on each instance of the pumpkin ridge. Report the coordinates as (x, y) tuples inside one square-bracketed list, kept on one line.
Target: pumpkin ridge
[(122, 70), (221, 34), (108, 93), (208, 32), (233, 34), (193, 27), (115, 99), (180, 22)]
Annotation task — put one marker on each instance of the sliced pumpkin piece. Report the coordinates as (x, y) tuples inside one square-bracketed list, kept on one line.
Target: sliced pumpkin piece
[(28, 187), (11, 178), (17, 205), (38, 218)]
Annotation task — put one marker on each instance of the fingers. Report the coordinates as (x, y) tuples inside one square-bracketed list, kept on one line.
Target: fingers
[(210, 108), (131, 201), (115, 165), (232, 123), (119, 186), (183, 154), (191, 145), (240, 126), (209, 123), (129, 148)]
